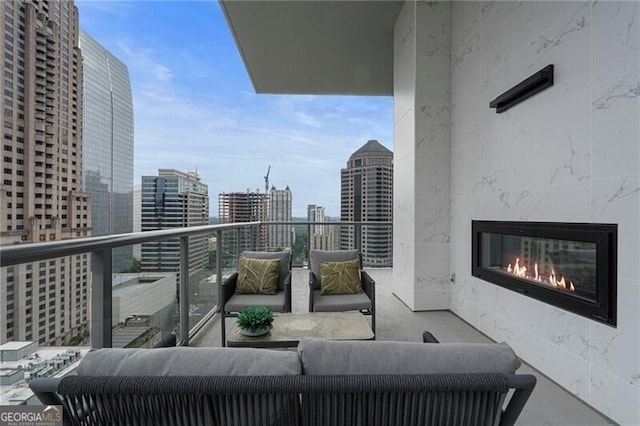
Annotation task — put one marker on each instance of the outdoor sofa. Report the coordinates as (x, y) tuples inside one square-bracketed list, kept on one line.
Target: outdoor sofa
[(337, 383)]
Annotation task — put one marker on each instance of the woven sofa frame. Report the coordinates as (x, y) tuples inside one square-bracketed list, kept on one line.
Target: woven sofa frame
[(431, 399)]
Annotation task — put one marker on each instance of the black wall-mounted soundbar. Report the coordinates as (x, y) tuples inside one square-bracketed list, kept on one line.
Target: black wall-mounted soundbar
[(529, 87)]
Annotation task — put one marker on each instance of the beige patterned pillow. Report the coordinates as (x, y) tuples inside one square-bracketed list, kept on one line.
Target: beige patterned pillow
[(258, 276), (340, 277)]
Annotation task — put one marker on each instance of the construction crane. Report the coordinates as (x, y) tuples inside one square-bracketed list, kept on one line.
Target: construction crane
[(266, 181)]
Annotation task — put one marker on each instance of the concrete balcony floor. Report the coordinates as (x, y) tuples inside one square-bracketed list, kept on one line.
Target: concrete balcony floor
[(549, 404)]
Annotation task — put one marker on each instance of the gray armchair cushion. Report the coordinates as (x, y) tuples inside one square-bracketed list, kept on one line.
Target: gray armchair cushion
[(340, 303), (316, 257), (283, 256), (321, 357), (238, 302), (187, 361)]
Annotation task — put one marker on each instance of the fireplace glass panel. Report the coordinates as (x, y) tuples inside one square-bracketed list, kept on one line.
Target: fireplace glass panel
[(562, 265)]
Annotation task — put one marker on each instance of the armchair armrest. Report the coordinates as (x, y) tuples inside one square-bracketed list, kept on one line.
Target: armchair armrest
[(312, 282), (228, 289), (427, 337), (287, 292), (368, 285)]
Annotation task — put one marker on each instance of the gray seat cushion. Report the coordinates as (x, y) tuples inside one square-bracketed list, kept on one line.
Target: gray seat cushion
[(187, 361), (238, 302), (340, 302), (357, 357), (283, 256), (316, 257)]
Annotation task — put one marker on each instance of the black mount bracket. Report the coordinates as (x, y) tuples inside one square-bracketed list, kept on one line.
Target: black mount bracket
[(527, 88)]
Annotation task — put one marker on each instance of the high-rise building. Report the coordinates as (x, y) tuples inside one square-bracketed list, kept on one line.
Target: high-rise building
[(367, 196), (330, 241), (316, 214), (107, 137), (174, 199), (322, 237), (237, 207), (279, 210), (41, 194)]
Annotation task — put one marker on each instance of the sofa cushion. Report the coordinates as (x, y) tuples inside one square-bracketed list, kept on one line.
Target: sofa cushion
[(321, 357), (187, 361), (283, 256), (258, 276), (340, 277), (346, 302), (238, 302), (316, 257)]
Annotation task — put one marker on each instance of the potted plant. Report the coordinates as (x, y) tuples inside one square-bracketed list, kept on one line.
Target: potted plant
[(255, 320)]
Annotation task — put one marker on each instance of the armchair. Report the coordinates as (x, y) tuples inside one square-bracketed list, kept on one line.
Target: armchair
[(364, 301), (232, 302)]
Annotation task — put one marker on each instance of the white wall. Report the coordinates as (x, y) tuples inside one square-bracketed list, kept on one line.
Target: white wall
[(421, 155), (570, 153)]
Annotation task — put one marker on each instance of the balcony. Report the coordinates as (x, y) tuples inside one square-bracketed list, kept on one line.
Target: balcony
[(192, 319)]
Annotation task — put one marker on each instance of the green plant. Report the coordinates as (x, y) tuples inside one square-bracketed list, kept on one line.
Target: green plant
[(255, 318)]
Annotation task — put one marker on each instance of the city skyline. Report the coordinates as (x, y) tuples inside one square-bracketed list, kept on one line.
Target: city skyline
[(195, 107)]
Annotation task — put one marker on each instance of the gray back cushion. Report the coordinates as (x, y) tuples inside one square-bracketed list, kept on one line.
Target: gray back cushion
[(283, 256), (186, 361), (358, 357), (316, 257)]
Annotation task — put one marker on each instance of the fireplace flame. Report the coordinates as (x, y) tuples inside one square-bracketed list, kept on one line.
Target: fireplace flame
[(552, 280)]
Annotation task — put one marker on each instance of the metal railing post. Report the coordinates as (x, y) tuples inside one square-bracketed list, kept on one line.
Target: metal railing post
[(101, 299), (309, 240), (220, 304), (219, 266), (238, 250), (184, 291)]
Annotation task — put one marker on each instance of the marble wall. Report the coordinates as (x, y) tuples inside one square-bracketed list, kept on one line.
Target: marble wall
[(421, 155), (569, 153)]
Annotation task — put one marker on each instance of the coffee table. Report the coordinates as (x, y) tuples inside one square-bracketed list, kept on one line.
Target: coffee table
[(289, 328)]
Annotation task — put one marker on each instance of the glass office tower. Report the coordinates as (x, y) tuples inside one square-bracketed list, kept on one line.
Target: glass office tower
[(108, 144)]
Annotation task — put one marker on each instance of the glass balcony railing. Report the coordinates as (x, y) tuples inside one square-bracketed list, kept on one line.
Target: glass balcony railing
[(154, 288)]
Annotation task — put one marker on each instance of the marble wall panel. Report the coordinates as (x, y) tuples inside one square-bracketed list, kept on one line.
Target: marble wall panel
[(509, 27), (404, 62), (541, 203), (616, 34), (614, 397), (404, 202), (432, 221), (569, 154), (433, 35), (427, 300), (617, 200), (616, 151), (403, 271), (610, 347)]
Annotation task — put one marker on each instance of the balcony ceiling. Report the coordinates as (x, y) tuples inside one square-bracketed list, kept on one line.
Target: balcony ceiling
[(316, 47)]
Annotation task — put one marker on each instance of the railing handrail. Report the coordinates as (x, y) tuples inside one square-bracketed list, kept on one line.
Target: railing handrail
[(34, 252)]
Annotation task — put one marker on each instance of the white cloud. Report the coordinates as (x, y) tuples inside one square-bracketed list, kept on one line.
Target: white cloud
[(143, 61), (307, 120)]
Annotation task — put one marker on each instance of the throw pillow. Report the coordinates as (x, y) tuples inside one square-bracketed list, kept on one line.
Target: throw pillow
[(340, 277), (258, 276)]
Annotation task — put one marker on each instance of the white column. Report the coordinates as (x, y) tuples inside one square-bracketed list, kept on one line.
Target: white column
[(421, 155)]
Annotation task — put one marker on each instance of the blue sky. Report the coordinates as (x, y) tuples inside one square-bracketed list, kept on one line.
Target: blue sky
[(195, 107)]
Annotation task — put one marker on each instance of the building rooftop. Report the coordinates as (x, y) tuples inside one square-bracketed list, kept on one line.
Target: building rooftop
[(370, 147), (13, 346)]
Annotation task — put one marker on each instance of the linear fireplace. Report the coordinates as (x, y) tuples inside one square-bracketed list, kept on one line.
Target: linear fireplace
[(568, 265)]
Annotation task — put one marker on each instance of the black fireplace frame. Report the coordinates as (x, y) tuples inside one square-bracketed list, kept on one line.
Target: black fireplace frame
[(605, 236)]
